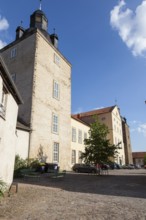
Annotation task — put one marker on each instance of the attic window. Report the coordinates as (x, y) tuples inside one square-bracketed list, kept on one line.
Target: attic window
[(13, 75), (13, 52)]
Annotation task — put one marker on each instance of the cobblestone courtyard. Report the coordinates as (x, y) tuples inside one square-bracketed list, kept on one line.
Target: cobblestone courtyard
[(121, 195)]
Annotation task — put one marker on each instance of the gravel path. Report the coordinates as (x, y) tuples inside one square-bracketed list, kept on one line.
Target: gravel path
[(121, 195)]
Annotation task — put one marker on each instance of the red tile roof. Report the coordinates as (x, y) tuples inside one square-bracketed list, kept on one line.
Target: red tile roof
[(138, 154), (77, 119), (94, 112)]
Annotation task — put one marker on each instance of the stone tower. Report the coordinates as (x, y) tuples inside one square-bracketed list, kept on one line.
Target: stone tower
[(43, 77)]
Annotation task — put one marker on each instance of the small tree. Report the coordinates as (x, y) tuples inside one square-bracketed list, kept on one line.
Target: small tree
[(98, 149), (145, 159)]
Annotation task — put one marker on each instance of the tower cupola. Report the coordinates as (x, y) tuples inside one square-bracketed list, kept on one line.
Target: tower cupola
[(39, 20)]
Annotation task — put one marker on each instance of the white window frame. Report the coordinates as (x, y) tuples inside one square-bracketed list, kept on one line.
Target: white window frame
[(3, 102), (57, 59), (80, 136), (74, 134), (79, 159), (55, 123), (13, 52), (56, 152), (56, 90), (73, 156)]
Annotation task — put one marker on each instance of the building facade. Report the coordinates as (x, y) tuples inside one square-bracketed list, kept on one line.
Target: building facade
[(43, 77), (111, 117), (138, 158)]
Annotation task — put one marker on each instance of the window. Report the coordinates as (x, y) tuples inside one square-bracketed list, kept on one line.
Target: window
[(80, 137), (85, 135), (79, 157), (3, 102), (73, 134), (55, 90), (13, 77), (55, 124), (73, 158), (56, 152), (57, 59), (13, 52)]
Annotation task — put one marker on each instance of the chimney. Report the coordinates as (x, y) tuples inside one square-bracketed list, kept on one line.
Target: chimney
[(78, 116), (19, 32), (54, 39)]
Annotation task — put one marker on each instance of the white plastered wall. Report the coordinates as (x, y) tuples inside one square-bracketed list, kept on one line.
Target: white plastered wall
[(78, 147), (8, 139), (22, 143)]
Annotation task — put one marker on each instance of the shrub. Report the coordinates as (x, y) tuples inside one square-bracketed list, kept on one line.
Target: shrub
[(21, 164), (3, 187)]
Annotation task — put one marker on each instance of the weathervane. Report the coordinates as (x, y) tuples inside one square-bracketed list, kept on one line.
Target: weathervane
[(40, 4)]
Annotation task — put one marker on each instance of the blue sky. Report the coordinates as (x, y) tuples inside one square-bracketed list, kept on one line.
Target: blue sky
[(105, 41)]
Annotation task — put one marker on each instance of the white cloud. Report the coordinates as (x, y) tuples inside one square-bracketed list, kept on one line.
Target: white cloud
[(2, 44), (138, 127), (131, 26), (4, 25), (142, 129)]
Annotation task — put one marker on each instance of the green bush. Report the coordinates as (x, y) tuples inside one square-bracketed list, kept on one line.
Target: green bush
[(3, 187), (21, 164)]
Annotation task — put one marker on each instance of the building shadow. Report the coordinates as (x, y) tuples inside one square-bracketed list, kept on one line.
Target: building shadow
[(113, 185)]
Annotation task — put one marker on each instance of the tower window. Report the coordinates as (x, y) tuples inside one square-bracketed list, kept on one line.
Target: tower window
[(57, 59), (55, 124), (55, 90), (13, 76), (56, 153), (13, 52)]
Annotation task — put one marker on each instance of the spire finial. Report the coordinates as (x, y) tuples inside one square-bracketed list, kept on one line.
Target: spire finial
[(54, 30), (40, 4)]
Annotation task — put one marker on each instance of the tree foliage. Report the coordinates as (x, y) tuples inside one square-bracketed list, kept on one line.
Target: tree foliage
[(97, 147), (145, 159)]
